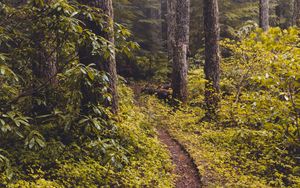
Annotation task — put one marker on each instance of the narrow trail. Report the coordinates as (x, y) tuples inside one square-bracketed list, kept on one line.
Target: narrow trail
[(186, 170)]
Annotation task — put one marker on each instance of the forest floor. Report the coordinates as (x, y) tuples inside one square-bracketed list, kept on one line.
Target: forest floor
[(185, 170)]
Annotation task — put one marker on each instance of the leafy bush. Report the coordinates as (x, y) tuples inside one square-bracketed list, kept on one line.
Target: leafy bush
[(256, 141), (46, 138)]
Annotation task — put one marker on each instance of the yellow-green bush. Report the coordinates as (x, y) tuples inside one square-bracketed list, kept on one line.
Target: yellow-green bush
[(256, 141), (133, 157)]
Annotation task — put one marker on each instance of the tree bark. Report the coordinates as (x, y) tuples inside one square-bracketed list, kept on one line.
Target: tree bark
[(44, 68), (171, 23), (109, 65), (212, 56), (179, 50), (44, 71), (264, 14), (164, 24), (296, 13)]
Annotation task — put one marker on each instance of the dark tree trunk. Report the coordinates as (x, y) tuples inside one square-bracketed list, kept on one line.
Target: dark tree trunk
[(264, 14), (44, 71), (296, 13), (180, 49), (44, 68), (109, 65), (212, 56)]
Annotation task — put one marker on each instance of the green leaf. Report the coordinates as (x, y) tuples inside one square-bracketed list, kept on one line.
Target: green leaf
[(41, 143), (91, 75), (31, 143)]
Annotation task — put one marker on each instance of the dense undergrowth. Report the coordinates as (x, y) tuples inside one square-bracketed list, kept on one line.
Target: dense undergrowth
[(128, 155), (256, 140), (56, 126)]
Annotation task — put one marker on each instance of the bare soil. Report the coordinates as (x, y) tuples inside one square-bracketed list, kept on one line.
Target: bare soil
[(186, 170)]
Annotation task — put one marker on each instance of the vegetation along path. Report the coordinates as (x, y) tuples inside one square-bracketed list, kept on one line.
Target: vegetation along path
[(185, 167)]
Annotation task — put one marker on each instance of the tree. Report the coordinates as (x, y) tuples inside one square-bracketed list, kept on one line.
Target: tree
[(44, 69), (171, 23), (180, 49), (44, 65), (164, 24), (212, 56), (233, 15), (106, 64), (296, 13), (264, 14), (110, 65)]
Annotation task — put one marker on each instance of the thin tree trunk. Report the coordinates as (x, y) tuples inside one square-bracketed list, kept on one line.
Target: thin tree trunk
[(180, 49), (296, 13), (164, 24), (171, 23), (212, 56), (264, 14), (155, 13), (109, 65)]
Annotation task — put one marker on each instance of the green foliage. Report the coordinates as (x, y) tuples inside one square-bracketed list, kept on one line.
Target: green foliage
[(255, 142), (145, 18), (46, 138), (264, 86), (233, 15)]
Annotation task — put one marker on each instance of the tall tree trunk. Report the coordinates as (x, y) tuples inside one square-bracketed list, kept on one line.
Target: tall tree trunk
[(44, 68), (180, 49), (109, 65), (171, 24), (156, 34), (212, 56), (296, 13), (164, 24), (44, 71), (264, 14)]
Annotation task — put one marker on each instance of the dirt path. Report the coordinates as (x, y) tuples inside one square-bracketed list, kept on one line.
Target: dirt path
[(188, 176), (185, 167)]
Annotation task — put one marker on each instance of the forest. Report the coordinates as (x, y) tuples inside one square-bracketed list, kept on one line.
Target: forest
[(149, 93)]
